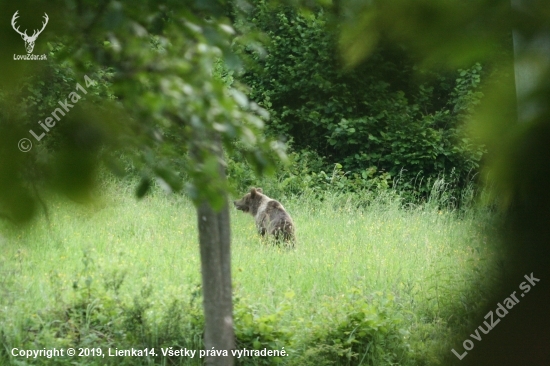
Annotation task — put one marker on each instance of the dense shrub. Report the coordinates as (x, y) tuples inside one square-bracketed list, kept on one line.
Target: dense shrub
[(307, 175), (387, 114), (370, 332), (256, 332)]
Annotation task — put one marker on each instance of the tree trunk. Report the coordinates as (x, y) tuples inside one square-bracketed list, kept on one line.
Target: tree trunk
[(214, 238), (215, 242)]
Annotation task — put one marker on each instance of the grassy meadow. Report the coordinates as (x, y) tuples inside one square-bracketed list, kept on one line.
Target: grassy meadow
[(376, 285)]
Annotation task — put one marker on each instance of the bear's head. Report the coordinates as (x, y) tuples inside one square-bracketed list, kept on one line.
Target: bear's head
[(250, 202)]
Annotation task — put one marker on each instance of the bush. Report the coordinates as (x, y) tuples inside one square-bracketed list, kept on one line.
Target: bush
[(368, 331), (306, 174), (256, 332), (387, 113)]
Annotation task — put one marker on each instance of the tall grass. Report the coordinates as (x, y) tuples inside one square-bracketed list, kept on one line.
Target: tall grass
[(128, 273)]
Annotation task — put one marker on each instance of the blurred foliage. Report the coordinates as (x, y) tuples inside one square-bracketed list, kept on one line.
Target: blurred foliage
[(153, 96), (450, 33)]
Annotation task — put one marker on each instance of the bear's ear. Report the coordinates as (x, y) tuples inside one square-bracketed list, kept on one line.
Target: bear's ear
[(253, 192), (259, 190)]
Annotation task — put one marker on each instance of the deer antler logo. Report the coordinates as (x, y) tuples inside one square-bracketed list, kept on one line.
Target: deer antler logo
[(29, 41)]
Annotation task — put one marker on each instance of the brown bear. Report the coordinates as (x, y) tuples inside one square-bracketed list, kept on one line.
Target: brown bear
[(271, 217)]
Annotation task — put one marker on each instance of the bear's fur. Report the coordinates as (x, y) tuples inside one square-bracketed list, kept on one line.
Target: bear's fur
[(271, 217)]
